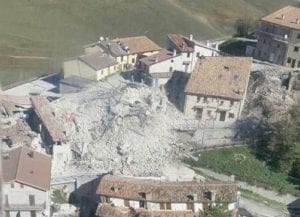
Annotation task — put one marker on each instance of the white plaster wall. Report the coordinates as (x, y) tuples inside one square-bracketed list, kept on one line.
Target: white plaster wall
[(134, 204), (20, 196), (164, 66), (62, 155), (198, 206), (178, 206), (153, 206), (117, 202)]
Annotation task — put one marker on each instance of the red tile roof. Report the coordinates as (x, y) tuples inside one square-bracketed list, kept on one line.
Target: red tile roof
[(220, 76), (28, 167), (158, 57), (138, 44), (180, 43), (288, 16)]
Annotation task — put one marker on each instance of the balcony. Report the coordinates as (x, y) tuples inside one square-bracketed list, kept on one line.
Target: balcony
[(275, 37), (24, 207)]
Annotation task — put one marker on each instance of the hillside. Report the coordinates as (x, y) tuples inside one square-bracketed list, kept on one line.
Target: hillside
[(54, 30)]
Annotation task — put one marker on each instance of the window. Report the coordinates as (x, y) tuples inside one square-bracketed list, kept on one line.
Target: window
[(171, 69), (205, 99), (12, 185), (132, 61), (168, 206), (198, 98), (32, 214), (31, 200), (172, 61), (207, 195), (231, 115), (231, 103), (209, 113), (198, 54), (126, 203), (199, 112), (222, 102), (296, 49), (289, 60), (222, 116), (188, 54), (298, 36), (298, 64)]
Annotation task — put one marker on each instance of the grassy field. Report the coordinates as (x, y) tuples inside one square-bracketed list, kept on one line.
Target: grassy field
[(57, 29), (240, 162)]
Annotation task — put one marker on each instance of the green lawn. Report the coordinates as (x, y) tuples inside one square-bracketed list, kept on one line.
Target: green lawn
[(57, 29), (240, 162)]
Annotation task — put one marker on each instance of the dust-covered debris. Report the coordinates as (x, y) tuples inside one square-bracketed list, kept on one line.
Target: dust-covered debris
[(121, 126), (268, 93)]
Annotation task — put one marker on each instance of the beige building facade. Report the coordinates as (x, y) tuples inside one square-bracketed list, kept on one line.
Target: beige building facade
[(217, 88), (279, 37)]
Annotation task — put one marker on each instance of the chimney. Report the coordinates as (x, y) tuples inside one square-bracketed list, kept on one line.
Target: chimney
[(191, 37), (282, 16), (174, 52)]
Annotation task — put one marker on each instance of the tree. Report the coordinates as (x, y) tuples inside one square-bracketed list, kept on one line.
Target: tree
[(244, 26), (216, 211), (284, 146)]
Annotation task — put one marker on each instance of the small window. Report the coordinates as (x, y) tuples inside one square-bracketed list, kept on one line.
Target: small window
[(132, 61), (188, 54), (209, 113), (289, 60), (198, 54), (296, 49), (126, 203), (222, 102), (32, 213), (298, 36), (298, 65), (231, 115), (207, 195), (231, 103), (171, 69), (172, 61), (198, 98), (168, 206), (12, 185)]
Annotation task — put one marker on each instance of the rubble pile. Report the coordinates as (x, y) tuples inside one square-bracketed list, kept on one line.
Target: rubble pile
[(121, 126), (268, 92)]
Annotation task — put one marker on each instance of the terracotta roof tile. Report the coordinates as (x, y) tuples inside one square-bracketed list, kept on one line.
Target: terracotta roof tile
[(139, 44), (163, 191), (220, 76), (288, 16), (161, 56), (28, 167), (180, 43)]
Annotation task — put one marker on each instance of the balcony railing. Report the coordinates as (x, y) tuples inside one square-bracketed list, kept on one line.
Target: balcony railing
[(24, 207), (276, 37)]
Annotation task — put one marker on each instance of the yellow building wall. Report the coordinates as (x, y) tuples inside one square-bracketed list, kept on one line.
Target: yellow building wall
[(103, 73)]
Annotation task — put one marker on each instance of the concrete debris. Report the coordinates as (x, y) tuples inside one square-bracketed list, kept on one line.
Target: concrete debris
[(268, 92), (121, 126)]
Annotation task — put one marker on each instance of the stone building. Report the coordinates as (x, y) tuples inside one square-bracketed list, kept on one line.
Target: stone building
[(217, 88), (164, 197), (279, 37), (26, 183)]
